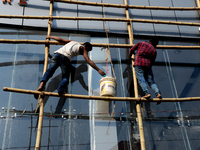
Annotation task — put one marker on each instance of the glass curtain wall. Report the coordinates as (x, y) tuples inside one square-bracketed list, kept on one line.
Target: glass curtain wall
[(88, 124)]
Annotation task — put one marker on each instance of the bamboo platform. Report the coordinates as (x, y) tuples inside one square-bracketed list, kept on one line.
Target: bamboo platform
[(100, 97), (129, 22)]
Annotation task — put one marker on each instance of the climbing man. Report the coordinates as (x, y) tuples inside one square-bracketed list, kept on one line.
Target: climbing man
[(144, 60), (62, 58)]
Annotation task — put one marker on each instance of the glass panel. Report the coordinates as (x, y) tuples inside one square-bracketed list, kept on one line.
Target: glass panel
[(88, 124)]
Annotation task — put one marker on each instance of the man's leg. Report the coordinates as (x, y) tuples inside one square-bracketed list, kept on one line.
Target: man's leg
[(49, 73), (54, 64), (150, 79), (65, 65), (139, 71)]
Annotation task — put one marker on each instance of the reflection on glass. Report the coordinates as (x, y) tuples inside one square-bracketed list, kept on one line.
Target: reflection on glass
[(88, 124)]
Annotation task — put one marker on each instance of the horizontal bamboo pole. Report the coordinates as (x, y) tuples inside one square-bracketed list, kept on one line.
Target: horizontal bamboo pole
[(26, 41), (100, 19), (101, 97), (126, 5)]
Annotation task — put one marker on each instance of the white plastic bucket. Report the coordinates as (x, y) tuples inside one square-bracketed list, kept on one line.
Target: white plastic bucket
[(108, 86)]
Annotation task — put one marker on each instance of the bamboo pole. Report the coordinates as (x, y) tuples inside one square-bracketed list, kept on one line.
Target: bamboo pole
[(138, 109), (25, 41), (86, 97), (100, 19), (41, 99), (126, 5), (198, 3), (139, 116)]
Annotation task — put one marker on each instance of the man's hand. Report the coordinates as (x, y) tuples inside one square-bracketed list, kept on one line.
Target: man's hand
[(48, 36), (59, 39), (131, 53), (101, 72)]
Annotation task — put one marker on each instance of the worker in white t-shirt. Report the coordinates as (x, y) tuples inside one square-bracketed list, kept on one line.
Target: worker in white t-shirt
[(62, 57)]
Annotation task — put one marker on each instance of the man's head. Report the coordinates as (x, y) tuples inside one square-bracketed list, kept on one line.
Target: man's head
[(88, 46), (154, 41)]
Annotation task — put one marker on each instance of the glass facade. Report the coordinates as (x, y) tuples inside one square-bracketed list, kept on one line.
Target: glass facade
[(79, 124), (87, 124)]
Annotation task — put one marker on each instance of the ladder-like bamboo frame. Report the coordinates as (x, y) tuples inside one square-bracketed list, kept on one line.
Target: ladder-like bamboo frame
[(25, 41), (129, 23), (100, 19), (126, 5)]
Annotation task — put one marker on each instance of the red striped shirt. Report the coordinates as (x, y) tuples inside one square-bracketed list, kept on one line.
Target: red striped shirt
[(146, 54)]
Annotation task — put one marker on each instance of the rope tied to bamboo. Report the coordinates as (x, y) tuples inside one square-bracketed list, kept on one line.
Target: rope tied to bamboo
[(108, 52), (42, 94), (50, 23), (40, 101)]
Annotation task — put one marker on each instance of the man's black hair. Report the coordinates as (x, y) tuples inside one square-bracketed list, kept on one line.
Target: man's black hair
[(154, 41), (87, 44)]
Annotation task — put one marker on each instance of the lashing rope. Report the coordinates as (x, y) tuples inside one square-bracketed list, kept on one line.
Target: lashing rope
[(106, 57)]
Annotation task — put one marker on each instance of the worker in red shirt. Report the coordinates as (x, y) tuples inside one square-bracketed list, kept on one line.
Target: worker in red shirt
[(144, 60)]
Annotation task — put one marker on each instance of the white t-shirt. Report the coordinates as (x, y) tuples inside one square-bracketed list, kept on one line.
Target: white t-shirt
[(70, 49)]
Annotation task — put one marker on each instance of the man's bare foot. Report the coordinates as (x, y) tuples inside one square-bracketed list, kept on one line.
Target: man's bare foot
[(160, 97), (40, 88), (147, 96), (61, 93)]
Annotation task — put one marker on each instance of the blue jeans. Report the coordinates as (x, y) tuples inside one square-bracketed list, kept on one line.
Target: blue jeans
[(65, 65), (144, 76)]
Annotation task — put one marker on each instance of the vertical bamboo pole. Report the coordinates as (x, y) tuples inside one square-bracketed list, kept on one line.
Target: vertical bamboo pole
[(139, 116), (41, 99), (198, 3)]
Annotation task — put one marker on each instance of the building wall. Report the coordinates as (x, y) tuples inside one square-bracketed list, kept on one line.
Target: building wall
[(80, 124), (41, 8)]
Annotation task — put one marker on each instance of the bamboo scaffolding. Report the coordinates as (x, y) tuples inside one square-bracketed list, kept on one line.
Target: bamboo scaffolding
[(100, 19), (25, 41), (126, 5), (138, 110), (86, 97), (41, 99), (129, 21)]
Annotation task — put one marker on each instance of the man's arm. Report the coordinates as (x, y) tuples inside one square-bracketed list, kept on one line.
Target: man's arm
[(59, 39), (132, 50), (153, 58), (91, 63)]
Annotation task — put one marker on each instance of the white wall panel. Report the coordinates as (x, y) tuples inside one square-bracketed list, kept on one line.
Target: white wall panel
[(187, 16), (68, 10), (13, 9), (162, 29), (141, 28), (90, 11), (112, 26), (37, 8)]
